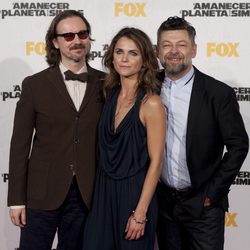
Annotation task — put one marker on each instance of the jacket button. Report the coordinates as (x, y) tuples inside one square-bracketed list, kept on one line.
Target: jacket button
[(76, 140)]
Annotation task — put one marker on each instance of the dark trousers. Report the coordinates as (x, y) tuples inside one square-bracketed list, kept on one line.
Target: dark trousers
[(68, 221), (178, 230)]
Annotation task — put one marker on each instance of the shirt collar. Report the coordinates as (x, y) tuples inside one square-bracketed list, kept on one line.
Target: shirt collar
[(64, 69), (180, 82)]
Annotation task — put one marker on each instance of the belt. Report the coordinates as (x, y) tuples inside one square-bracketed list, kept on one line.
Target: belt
[(175, 193)]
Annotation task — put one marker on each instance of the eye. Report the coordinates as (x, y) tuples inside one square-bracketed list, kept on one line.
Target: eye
[(118, 51), (134, 53), (83, 34), (68, 35), (166, 45)]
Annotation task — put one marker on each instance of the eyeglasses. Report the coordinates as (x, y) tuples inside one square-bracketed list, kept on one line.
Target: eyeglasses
[(68, 37)]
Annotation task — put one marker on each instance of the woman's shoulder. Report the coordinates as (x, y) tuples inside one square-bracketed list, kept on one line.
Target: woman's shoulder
[(152, 106), (152, 109), (152, 101)]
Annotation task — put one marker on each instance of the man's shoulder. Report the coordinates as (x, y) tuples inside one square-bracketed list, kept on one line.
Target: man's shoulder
[(211, 83), (94, 71), (43, 73), (161, 75), (42, 78)]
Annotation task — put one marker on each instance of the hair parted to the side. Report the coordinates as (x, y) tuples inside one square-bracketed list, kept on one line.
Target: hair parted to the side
[(53, 56), (176, 23), (147, 79)]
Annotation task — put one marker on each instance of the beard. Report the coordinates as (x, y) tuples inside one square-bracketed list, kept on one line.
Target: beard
[(78, 58), (175, 70)]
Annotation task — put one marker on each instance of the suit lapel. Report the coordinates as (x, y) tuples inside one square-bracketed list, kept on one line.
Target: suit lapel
[(197, 97), (56, 78), (90, 89)]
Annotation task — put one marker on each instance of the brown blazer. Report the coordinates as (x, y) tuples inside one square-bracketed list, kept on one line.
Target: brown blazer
[(51, 139)]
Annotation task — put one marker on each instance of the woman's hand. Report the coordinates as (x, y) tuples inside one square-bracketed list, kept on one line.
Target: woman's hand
[(135, 227)]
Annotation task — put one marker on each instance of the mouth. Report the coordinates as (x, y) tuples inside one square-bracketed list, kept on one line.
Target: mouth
[(124, 67), (174, 59), (77, 50)]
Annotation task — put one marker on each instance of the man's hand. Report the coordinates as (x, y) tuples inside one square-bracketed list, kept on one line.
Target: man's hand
[(18, 216), (208, 202)]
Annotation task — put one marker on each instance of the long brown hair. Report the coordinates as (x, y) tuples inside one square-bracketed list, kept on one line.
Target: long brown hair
[(147, 79), (53, 56)]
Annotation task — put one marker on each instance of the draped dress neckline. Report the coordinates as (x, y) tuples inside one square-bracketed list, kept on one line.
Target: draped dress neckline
[(123, 121), (122, 152)]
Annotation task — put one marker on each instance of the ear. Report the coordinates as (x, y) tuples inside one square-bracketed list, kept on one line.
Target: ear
[(156, 50), (194, 51), (55, 42)]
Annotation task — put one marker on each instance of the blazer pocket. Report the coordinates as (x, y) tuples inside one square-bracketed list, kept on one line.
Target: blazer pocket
[(37, 183)]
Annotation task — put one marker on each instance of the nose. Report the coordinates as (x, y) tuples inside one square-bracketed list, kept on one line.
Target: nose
[(124, 57), (77, 39), (174, 49)]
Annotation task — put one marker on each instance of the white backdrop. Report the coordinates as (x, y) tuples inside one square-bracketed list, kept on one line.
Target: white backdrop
[(223, 51)]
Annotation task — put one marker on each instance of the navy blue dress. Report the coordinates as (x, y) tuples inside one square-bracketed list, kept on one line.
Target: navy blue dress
[(122, 166)]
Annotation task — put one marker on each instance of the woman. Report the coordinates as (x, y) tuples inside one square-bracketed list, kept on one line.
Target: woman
[(131, 142)]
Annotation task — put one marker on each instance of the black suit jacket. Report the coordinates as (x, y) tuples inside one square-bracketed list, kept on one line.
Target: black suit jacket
[(51, 139), (214, 123)]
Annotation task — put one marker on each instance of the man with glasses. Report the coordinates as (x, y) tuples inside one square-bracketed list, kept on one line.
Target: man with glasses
[(203, 120), (52, 154)]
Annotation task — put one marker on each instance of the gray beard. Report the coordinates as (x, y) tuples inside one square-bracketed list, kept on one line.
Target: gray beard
[(170, 71)]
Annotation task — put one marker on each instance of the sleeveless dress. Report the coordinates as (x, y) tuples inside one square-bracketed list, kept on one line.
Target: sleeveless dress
[(122, 166)]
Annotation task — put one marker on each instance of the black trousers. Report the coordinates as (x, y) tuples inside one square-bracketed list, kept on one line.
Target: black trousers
[(68, 221), (178, 230)]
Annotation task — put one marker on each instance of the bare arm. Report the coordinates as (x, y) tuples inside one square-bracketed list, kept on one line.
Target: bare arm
[(153, 117)]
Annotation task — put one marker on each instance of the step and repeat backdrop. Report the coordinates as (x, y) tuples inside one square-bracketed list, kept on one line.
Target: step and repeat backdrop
[(223, 40)]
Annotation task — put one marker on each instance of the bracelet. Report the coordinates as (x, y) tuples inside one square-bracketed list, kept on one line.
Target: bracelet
[(138, 221)]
